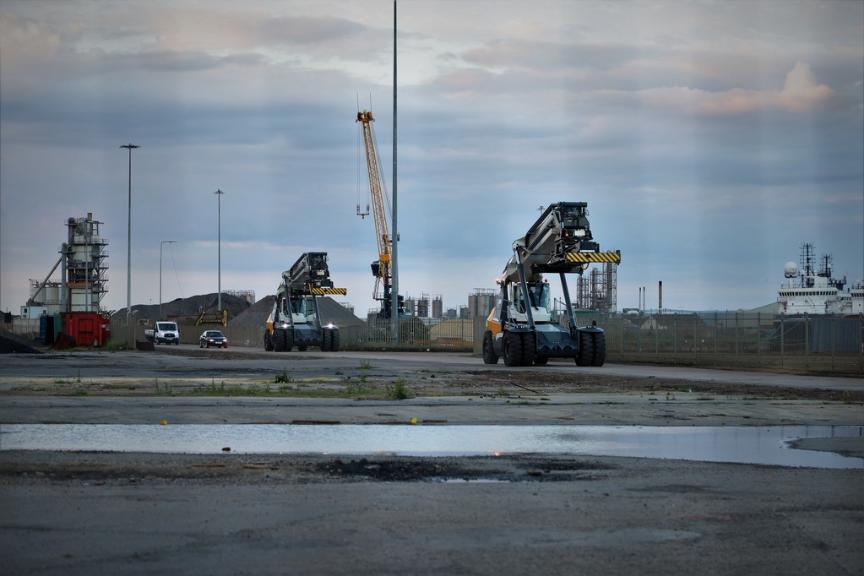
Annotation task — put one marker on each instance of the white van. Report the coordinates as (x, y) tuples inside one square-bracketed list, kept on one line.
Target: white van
[(165, 333)]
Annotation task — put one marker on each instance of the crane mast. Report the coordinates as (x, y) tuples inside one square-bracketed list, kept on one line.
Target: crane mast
[(381, 268)]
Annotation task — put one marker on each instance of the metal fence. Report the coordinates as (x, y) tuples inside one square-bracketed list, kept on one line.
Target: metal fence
[(829, 344), (736, 339), (414, 334)]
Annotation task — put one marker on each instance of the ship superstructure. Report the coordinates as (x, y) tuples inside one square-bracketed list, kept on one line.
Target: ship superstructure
[(811, 291)]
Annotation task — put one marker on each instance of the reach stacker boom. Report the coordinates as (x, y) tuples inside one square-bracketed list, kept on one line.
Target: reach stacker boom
[(520, 328), (295, 320)]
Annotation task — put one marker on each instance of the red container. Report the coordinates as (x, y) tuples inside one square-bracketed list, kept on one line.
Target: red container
[(86, 328)]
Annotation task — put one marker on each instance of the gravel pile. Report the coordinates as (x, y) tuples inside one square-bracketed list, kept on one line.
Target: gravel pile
[(255, 316), (188, 307), (331, 311)]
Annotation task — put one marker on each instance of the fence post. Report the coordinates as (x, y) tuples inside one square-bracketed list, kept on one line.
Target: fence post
[(736, 334), (861, 344), (806, 342), (674, 335), (656, 337), (782, 336), (759, 339), (695, 344), (621, 331), (715, 335)]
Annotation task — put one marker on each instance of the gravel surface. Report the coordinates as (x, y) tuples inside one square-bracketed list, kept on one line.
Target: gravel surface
[(141, 514)]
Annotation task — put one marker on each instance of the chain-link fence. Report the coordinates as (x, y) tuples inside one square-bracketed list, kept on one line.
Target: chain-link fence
[(830, 344), (736, 339), (414, 334)]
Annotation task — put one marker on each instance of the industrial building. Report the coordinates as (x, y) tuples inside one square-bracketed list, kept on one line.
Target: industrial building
[(481, 302), (597, 290), (72, 305), (83, 274)]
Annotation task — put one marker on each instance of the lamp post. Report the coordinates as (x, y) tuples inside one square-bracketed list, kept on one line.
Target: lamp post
[(394, 306), (219, 194), (161, 244), (130, 332)]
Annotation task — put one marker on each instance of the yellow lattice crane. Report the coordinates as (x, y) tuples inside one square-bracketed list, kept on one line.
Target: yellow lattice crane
[(382, 267)]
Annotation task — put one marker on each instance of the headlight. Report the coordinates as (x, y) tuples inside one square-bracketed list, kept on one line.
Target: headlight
[(284, 324), (330, 325), (580, 233)]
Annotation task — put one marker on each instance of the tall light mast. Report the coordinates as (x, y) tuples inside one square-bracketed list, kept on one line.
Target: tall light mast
[(394, 310)]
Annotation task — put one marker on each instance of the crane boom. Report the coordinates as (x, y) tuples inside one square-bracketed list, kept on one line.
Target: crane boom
[(381, 268)]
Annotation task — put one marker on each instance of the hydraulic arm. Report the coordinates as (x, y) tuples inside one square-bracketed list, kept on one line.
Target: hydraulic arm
[(295, 318), (520, 327)]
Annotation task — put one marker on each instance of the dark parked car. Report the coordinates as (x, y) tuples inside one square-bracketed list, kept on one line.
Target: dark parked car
[(213, 338)]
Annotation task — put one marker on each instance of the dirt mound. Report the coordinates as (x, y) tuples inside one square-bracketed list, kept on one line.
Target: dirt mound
[(187, 307), (332, 311), (10, 343), (255, 316)]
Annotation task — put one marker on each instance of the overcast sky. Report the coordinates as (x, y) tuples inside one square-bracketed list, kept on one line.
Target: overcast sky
[(710, 139)]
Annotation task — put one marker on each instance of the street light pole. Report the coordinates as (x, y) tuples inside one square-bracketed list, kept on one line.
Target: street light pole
[(394, 267), (219, 194), (130, 333), (161, 244)]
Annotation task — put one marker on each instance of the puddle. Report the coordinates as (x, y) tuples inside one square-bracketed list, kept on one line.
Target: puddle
[(741, 444)]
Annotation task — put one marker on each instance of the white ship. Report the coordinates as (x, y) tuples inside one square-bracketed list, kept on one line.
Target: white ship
[(807, 291)]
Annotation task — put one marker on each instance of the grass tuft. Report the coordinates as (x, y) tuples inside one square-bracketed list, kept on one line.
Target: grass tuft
[(398, 390)]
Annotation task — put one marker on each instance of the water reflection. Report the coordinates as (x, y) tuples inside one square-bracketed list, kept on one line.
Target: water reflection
[(742, 444)]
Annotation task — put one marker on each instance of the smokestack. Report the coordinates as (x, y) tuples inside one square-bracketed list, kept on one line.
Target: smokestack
[(660, 289)]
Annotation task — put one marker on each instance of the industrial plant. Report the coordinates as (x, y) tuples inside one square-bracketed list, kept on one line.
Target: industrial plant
[(71, 306)]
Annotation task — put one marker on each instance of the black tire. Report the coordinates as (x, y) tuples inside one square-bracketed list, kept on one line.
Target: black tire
[(268, 342), (278, 340), (289, 339), (599, 357), (301, 348), (489, 355), (540, 360), (586, 349), (512, 345), (326, 340), (529, 348), (334, 340)]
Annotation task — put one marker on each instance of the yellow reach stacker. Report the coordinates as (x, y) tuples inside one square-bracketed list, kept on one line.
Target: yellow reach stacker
[(520, 328), (295, 320)]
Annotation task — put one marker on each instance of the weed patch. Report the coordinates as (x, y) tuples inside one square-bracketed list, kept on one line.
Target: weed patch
[(398, 390)]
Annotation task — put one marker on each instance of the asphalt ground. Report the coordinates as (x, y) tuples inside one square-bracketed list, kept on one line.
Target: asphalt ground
[(112, 513)]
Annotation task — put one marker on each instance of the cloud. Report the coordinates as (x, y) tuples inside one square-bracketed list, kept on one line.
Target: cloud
[(180, 61), (799, 94), (680, 133)]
